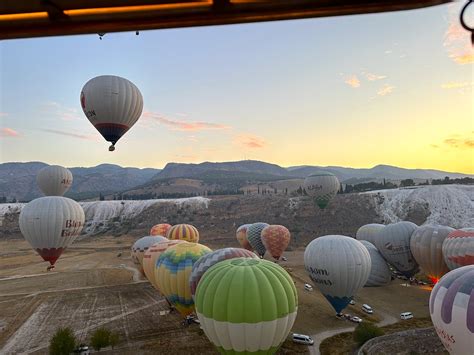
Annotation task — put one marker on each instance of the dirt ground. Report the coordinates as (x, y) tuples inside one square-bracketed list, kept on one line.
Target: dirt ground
[(93, 285)]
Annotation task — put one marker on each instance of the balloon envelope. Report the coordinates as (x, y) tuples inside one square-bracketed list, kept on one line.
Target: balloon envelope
[(186, 232), (393, 242), (339, 266), (206, 261), (112, 104), (141, 246), (369, 232), (323, 186), (426, 245), (458, 248), (160, 229), (452, 310), (50, 224), (255, 239), (275, 239), (241, 235), (151, 257), (54, 180), (173, 269), (380, 274), (246, 306)]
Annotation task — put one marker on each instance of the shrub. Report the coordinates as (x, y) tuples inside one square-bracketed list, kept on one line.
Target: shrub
[(100, 338), (114, 339), (63, 342), (365, 331)]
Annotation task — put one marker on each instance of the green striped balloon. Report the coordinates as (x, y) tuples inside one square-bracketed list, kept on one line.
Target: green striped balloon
[(246, 306)]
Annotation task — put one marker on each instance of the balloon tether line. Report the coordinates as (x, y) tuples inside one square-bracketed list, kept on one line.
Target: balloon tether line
[(463, 24)]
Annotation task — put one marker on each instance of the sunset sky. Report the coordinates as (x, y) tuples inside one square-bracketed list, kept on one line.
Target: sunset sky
[(357, 91)]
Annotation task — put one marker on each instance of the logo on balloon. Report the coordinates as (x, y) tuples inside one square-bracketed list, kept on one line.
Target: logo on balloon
[(83, 100)]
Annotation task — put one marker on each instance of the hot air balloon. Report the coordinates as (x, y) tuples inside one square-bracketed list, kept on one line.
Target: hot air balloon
[(458, 248), (380, 274), (393, 242), (206, 261), (426, 245), (369, 232), (172, 272), (452, 310), (160, 229), (339, 266), (50, 224), (112, 104), (241, 235), (275, 239), (54, 180), (186, 232), (151, 256), (254, 237), (322, 186), (140, 247), (246, 306)]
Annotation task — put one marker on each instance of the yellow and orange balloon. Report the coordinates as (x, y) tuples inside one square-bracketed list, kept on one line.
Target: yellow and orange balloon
[(186, 232), (160, 229)]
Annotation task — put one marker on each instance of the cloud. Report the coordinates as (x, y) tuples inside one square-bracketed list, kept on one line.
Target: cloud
[(353, 81), (434, 145), (460, 143), (8, 133), (181, 125), (3, 114), (70, 134), (250, 141), (387, 89), (456, 39), (456, 85), (60, 111), (374, 77)]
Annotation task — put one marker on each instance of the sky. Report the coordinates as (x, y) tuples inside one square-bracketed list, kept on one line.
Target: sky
[(356, 91)]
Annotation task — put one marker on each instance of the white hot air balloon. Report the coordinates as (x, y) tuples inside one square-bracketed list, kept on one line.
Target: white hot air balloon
[(322, 186), (54, 180), (141, 246), (112, 104), (369, 232), (458, 248), (452, 310), (339, 266), (393, 242), (50, 224), (380, 274), (426, 245)]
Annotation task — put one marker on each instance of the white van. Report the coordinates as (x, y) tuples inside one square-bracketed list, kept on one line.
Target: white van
[(367, 309), (308, 287), (406, 315), (303, 339)]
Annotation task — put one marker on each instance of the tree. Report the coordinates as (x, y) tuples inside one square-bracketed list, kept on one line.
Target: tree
[(114, 339), (101, 197), (407, 182), (100, 338), (63, 342), (365, 331)]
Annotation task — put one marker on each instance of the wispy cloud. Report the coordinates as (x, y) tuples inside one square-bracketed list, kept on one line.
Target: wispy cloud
[(62, 112), (457, 39), (8, 133), (457, 141), (3, 114), (374, 77), (70, 134), (182, 125), (352, 81), (250, 141), (456, 85), (386, 90)]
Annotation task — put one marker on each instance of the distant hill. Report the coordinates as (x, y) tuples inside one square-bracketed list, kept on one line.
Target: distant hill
[(18, 180)]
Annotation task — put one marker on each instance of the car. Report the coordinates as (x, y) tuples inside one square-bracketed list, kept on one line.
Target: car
[(367, 309), (352, 302), (308, 287), (347, 316), (406, 315), (283, 258), (356, 319), (302, 339)]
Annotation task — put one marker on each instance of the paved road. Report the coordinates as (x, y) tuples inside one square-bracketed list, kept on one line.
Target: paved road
[(387, 319)]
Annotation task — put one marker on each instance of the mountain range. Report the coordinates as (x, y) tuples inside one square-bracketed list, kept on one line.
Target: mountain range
[(17, 180)]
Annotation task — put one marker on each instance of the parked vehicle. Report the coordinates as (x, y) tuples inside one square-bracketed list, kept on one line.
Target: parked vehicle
[(367, 309), (283, 258), (308, 287), (352, 302), (406, 315), (347, 316), (303, 339), (356, 319)]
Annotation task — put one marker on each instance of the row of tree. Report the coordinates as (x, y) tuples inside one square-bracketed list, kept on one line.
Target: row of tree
[(64, 341)]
